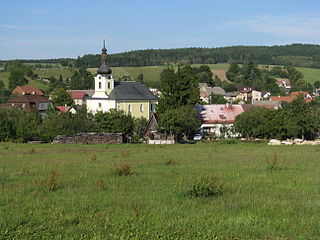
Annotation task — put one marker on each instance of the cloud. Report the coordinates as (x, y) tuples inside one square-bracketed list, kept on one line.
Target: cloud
[(295, 26), (13, 27)]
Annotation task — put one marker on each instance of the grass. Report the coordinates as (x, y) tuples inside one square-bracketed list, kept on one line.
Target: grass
[(58, 192), (151, 73)]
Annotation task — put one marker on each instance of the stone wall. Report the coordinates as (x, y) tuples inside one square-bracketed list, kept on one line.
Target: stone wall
[(90, 138)]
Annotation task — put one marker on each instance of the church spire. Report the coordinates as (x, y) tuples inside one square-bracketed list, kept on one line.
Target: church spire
[(104, 69)]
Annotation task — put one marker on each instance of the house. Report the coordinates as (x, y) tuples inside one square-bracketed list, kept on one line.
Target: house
[(29, 103), (78, 97), (27, 90), (66, 109), (267, 104), (231, 96), (248, 94), (265, 95), (284, 84), (133, 98), (307, 97), (206, 92), (155, 91), (217, 119)]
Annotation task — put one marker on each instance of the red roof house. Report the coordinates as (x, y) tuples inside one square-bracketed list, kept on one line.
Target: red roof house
[(27, 90)]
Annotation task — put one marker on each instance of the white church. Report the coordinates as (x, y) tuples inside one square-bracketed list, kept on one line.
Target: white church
[(132, 97)]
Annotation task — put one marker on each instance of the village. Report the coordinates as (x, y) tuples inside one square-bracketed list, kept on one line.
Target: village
[(216, 109)]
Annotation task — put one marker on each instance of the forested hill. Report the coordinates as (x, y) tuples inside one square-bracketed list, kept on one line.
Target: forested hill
[(299, 55)]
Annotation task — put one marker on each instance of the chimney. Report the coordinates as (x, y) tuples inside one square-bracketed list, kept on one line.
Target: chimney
[(229, 105)]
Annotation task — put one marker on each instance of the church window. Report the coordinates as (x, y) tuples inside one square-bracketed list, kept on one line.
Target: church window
[(100, 105), (108, 85), (99, 85), (141, 107), (130, 108)]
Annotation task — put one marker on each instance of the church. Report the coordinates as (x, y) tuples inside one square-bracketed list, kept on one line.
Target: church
[(133, 98)]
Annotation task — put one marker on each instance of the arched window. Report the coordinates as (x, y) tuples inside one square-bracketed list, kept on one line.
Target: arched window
[(108, 85), (99, 85), (141, 107), (129, 108), (100, 105)]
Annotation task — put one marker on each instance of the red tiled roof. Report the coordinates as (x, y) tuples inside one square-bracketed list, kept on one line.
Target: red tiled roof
[(31, 90), (63, 109), (298, 93), (29, 98), (220, 113), (78, 95), (287, 99)]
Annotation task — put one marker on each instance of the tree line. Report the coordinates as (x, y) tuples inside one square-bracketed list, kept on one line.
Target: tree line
[(297, 119), (19, 126), (297, 55)]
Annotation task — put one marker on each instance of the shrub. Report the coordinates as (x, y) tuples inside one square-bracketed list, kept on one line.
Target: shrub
[(123, 169), (101, 185), (52, 184), (273, 163), (207, 186), (93, 158)]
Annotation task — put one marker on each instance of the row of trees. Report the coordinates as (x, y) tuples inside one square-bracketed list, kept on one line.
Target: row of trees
[(295, 120), (249, 74), (299, 55), (17, 125)]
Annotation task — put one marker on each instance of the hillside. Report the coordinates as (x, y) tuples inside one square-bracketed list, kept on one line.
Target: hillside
[(151, 73), (298, 55)]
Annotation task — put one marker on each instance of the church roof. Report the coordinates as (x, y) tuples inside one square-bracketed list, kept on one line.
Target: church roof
[(131, 91)]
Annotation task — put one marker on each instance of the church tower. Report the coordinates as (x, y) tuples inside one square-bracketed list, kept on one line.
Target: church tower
[(104, 82)]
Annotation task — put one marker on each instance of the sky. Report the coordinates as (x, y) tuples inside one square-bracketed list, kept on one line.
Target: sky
[(38, 29)]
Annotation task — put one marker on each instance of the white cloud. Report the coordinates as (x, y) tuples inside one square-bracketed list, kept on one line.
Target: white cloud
[(13, 27), (296, 26)]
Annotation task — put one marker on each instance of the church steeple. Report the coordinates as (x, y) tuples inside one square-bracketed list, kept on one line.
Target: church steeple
[(104, 69)]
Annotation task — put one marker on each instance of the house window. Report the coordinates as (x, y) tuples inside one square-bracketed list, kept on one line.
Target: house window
[(100, 105), (99, 85), (151, 107), (141, 108), (130, 108), (108, 85)]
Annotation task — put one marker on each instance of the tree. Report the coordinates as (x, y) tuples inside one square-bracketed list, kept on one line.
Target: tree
[(60, 98), (81, 79), (316, 84), (140, 78), (114, 122), (1, 85), (178, 89), (217, 99), (6, 126), (182, 121), (17, 78)]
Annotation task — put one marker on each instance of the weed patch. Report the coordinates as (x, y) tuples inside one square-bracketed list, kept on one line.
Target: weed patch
[(273, 163), (207, 186), (123, 169)]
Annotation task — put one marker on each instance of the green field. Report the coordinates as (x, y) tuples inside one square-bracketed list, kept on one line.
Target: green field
[(90, 201), (151, 74)]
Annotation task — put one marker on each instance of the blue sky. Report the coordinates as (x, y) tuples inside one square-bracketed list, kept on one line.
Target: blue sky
[(56, 28)]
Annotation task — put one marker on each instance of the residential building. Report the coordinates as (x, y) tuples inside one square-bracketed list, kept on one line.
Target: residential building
[(29, 103), (132, 97), (206, 92), (217, 119), (78, 97), (307, 97), (27, 90)]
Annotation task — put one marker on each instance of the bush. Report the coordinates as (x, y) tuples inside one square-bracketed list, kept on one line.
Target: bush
[(207, 186), (123, 169)]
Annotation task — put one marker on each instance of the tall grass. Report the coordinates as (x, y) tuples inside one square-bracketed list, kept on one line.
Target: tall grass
[(87, 202)]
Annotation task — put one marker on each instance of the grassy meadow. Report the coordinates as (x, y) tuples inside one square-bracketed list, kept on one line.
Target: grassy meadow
[(64, 192)]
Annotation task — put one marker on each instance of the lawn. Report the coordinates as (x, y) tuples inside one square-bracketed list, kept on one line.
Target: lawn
[(73, 192)]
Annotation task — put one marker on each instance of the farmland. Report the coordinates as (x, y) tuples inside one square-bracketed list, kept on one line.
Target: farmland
[(75, 192), (151, 73)]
